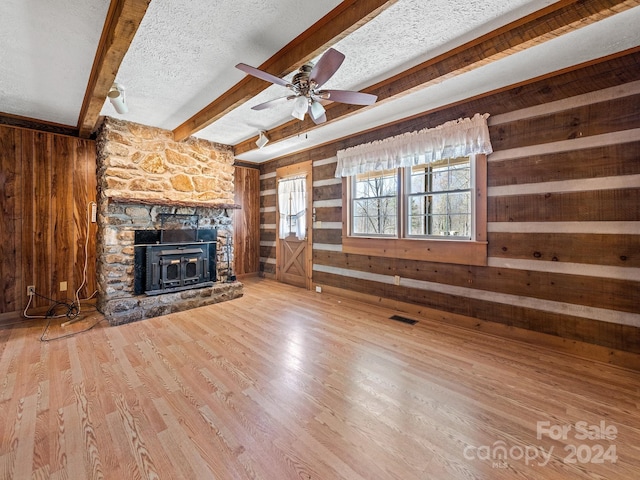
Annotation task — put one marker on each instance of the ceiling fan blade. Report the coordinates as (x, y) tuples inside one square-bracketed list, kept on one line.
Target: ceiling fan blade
[(262, 75), (326, 67), (271, 103), (347, 96)]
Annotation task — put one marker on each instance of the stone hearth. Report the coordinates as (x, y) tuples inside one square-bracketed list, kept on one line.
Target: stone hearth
[(118, 301)]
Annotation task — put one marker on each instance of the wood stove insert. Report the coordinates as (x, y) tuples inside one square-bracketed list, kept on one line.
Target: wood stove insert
[(174, 259)]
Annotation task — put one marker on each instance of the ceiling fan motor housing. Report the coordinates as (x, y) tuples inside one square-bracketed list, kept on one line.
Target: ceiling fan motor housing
[(301, 79)]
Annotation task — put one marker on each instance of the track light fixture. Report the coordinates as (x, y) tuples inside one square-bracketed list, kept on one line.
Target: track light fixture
[(116, 96), (262, 139)]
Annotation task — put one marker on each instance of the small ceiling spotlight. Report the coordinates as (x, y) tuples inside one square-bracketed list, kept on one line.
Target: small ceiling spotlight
[(262, 140), (116, 96)]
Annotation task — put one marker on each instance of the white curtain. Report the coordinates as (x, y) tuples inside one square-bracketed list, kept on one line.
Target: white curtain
[(458, 138), (292, 203)]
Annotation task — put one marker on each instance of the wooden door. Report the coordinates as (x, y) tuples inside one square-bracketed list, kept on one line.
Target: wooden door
[(293, 254)]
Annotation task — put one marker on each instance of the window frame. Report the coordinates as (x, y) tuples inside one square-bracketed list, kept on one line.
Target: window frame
[(407, 195), (464, 251), (352, 200)]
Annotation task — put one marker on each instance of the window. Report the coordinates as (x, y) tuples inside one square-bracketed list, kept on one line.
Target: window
[(292, 204), (424, 201), (439, 199), (419, 195), (434, 212), (374, 203)]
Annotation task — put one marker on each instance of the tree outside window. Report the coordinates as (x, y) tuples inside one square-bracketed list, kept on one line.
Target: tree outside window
[(439, 199), (436, 201), (375, 203)]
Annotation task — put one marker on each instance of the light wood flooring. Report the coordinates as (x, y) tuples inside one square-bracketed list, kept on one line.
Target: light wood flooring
[(289, 384)]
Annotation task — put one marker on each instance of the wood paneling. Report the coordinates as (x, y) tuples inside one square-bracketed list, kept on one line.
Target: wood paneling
[(606, 293), (268, 252), (590, 206), (329, 214), (615, 250), (269, 269), (611, 160), (47, 182), (324, 172), (246, 220), (62, 197), (328, 192), (43, 228), (267, 201), (10, 212), (268, 218), (328, 235), (268, 183), (84, 189), (596, 119), (454, 252), (268, 236)]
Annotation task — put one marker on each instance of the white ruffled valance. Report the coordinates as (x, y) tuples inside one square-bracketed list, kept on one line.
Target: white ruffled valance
[(458, 138)]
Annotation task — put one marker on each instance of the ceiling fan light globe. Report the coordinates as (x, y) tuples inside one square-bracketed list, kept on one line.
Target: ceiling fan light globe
[(300, 107), (317, 110)]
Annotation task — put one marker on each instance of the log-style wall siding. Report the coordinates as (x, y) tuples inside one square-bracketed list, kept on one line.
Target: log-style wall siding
[(563, 212), (46, 184)]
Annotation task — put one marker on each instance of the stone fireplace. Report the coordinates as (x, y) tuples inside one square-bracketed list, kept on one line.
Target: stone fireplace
[(144, 177)]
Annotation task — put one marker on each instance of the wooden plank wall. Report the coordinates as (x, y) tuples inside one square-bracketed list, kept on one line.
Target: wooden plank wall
[(246, 220), (563, 212), (46, 182)]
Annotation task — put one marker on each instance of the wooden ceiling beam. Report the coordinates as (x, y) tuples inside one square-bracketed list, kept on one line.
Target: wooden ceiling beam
[(546, 24), (122, 22), (337, 24)]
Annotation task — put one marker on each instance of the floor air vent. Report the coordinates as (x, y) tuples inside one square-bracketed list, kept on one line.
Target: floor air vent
[(402, 319)]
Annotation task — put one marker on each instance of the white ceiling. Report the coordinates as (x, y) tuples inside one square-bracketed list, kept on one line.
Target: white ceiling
[(46, 53), (184, 52)]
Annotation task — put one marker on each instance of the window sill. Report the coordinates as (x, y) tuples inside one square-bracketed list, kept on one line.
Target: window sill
[(441, 251)]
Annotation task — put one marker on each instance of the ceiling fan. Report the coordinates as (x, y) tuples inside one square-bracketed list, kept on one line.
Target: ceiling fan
[(306, 87)]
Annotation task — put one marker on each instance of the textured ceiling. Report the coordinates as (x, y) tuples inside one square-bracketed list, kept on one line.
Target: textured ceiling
[(184, 52), (401, 37), (46, 53), (183, 56)]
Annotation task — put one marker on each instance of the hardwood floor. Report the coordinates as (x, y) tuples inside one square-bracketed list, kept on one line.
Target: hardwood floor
[(289, 384)]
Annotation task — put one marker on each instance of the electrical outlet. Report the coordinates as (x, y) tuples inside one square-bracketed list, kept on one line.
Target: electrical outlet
[(396, 280), (318, 289), (63, 286), (31, 289), (94, 212)]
